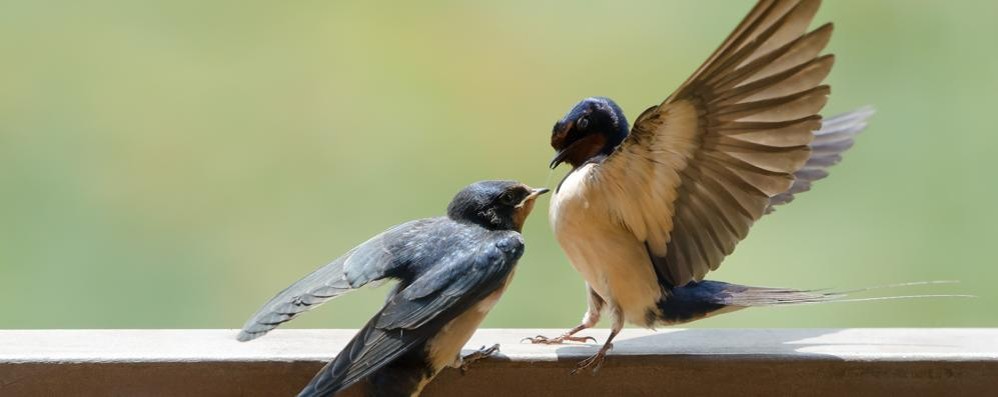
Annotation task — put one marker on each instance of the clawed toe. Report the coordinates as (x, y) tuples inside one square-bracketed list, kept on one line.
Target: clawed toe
[(541, 339), (537, 339), (593, 363), (483, 352), (487, 351)]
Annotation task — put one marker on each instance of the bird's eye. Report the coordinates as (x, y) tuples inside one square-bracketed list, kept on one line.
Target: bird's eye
[(507, 199), (583, 122)]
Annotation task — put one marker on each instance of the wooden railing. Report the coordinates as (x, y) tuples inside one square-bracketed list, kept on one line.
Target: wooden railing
[(674, 362)]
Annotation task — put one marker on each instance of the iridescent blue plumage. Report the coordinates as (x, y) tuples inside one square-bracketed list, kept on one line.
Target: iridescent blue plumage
[(450, 271)]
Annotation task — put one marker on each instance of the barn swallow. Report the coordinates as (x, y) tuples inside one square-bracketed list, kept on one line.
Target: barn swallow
[(647, 211), (451, 271)]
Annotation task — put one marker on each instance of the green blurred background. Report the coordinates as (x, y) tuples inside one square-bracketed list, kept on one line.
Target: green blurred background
[(173, 164)]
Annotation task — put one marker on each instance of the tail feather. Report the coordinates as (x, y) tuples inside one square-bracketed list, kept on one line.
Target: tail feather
[(702, 299), (745, 296)]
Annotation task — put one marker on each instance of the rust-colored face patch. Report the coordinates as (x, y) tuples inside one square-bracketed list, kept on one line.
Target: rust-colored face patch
[(522, 212), (560, 135), (584, 149)]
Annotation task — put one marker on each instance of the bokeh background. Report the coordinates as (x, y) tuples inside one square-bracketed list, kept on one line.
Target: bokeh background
[(173, 164)]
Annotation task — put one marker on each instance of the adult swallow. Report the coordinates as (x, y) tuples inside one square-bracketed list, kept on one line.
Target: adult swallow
[(450, 270), (647, 211)]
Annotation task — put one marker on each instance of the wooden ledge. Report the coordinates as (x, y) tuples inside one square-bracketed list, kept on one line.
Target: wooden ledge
[(643, 363)]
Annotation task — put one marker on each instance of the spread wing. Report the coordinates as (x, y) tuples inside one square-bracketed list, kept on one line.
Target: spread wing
[(420, 310), (700, 168), (373, 260), (836, 135)]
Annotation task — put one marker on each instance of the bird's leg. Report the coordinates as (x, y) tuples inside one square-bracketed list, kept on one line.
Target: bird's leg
[(589, 320), (595, 362), (484, 352)]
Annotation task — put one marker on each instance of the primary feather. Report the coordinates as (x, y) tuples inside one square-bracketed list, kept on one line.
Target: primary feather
[(370, 261), (440, 293), (661, 205), (698, 170)]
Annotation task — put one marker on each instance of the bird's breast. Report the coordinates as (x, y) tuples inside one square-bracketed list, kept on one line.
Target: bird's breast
[(611, 260), (444, 348)]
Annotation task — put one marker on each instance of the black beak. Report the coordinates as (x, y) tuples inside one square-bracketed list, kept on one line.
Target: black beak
[(558, 158), (560, 133)]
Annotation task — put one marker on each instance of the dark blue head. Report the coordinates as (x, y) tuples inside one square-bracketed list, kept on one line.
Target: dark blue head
[(594, 127), (495, 205)]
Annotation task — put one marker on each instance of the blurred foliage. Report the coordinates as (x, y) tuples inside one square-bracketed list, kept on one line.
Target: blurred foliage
[(173, 164)]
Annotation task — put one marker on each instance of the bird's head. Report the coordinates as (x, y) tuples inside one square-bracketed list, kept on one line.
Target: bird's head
[(594, 127), (495, 205)]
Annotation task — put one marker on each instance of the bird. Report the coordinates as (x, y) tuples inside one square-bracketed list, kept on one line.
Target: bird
[(647, 211), (451, 270)]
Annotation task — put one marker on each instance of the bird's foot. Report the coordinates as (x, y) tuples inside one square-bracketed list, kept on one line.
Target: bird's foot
[(541, 339), (595, 362), (484, 352)]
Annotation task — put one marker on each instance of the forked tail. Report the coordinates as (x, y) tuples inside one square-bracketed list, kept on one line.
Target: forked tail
[(705, 298)]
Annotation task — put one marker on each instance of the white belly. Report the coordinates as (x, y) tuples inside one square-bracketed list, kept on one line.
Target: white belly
[(609, 257)]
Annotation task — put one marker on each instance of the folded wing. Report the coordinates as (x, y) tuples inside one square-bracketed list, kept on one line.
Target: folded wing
[(420, 310)]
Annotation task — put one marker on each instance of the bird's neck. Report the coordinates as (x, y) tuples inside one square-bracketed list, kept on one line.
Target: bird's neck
[(593, 147)]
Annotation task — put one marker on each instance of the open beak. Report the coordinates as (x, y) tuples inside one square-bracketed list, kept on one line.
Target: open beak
[(558, 158), (558, 139)]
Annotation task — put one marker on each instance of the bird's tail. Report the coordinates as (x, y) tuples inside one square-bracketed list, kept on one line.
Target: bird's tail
[(705, 298)]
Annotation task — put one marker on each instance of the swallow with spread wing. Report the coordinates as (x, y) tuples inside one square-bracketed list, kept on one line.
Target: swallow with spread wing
[(647, 211), (450, 270)]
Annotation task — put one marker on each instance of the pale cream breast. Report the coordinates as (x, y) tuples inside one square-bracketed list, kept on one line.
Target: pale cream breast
[(609, 257), (445, 347)]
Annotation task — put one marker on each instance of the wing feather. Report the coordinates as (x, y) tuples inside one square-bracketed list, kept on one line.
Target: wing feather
[(700, 168), (370, 261), (420, 310), (837, 134)]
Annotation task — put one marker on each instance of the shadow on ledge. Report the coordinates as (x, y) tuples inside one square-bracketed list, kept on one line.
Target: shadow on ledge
[(747, 362)]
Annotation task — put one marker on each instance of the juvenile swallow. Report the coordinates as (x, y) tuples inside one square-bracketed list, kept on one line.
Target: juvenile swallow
[(451, 271), (647, 211)]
